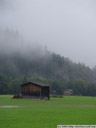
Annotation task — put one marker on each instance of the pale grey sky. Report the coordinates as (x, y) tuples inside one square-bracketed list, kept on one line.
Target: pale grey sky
[(67, 27)]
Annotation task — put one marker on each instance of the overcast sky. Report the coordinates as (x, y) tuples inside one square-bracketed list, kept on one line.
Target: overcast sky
[(67, 27)]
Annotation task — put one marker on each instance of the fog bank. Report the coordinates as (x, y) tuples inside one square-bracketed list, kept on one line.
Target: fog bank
[(67, 27)]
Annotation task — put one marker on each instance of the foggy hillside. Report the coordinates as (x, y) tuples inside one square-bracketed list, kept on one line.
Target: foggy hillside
[(67, 27), (19, 58)]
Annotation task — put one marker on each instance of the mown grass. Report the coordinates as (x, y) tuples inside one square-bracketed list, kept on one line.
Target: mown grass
[(47, 114)]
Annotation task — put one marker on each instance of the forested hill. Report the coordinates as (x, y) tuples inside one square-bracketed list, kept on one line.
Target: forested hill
[(21, 59)]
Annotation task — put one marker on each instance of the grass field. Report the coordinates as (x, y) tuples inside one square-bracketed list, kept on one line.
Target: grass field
[(47, 114)]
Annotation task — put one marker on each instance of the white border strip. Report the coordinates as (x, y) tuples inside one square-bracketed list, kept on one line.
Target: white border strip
[(76, 126)]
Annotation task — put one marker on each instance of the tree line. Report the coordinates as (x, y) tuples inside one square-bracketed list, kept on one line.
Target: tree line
[(11, 85)]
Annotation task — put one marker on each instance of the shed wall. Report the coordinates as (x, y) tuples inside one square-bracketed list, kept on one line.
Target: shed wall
[(35, 92)]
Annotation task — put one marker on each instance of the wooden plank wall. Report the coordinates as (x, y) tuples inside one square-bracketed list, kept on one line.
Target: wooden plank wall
[(31, 90)]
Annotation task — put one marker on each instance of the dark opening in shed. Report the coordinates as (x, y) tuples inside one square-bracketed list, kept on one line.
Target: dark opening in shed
[(35, 90)]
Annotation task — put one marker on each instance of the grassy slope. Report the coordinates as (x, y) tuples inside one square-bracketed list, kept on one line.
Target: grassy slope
[(47, 114)]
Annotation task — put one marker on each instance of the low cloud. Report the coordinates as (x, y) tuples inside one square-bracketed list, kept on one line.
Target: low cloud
[(67, 27)]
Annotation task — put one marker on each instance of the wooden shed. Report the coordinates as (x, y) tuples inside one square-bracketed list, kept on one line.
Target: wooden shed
[(68, 92), (35, 90)]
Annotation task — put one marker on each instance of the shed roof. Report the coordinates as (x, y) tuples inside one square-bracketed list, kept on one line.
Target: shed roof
[(36, 83)]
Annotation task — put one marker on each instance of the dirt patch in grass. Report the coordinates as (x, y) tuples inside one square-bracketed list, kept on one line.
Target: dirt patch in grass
[(88, 106), (9, 106)]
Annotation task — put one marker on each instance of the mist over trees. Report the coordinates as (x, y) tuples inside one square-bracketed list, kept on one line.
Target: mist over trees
[(21, 61)]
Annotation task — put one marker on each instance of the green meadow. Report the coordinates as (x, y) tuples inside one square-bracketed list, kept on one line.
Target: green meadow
[(47, 114)]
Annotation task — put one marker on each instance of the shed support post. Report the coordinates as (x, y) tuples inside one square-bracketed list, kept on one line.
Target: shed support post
[(40, 93)]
